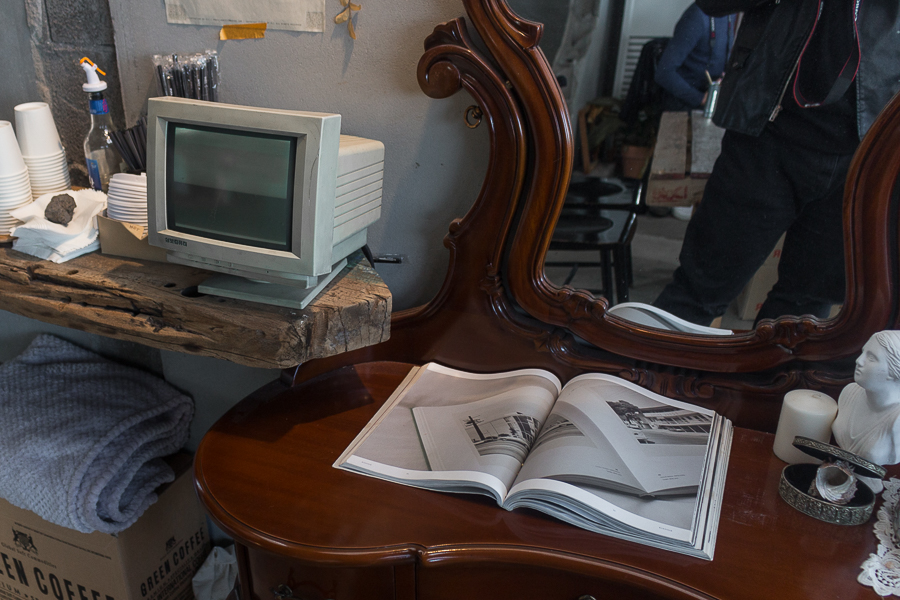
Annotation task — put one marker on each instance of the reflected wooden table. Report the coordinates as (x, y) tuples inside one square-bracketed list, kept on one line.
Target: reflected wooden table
[(307, 530)]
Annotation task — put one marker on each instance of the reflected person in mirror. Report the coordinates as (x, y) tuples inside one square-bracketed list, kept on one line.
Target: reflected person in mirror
[(868, 419), (801, 88), (697, 52)]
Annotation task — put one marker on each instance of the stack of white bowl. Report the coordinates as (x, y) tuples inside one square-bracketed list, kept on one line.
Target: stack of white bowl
[(127, 198), (15, 187), (42, 150)]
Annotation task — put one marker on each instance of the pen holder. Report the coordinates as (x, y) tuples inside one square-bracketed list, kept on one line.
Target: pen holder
[(799, 480)]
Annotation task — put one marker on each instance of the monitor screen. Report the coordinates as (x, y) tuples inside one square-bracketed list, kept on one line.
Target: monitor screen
[(230, 185)]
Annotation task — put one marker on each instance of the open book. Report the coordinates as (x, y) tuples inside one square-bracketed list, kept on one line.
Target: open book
[(600, 453)]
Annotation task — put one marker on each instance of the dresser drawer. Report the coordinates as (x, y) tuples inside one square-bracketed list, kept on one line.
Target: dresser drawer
[(273, 577), (504, 581)]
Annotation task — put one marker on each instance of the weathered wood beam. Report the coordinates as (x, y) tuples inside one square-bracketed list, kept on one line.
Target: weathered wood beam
[(156, 304)]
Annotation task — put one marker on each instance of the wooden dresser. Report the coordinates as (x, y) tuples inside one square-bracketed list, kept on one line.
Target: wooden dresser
[(309, 531)]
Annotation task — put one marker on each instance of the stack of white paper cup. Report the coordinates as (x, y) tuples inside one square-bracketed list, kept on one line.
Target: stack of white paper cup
[(15, 187), (42, 150)]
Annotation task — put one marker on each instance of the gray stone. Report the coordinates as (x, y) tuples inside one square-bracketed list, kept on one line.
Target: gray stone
[(60, 209), (80, 22)]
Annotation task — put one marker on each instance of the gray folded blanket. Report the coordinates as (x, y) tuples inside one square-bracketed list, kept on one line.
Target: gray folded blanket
[(82, 436)]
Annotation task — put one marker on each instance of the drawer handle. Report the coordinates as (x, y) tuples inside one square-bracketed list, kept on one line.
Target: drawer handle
[(284, 592)]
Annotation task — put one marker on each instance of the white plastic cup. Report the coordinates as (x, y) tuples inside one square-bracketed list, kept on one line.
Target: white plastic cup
[(36, 129), (15, 192), (45, 173), (11, 162), (14, 203), (6, 201), (54, 172), (14, 178), (53, 159), (6, 195), (55, 185), (8, 190), (8, 206)]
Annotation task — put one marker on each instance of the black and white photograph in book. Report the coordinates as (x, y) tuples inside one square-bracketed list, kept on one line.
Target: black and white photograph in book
[(663, 424), (511, 435), (500, 429)]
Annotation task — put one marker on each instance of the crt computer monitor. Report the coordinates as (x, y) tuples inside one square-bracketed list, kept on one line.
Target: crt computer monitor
[(275, 199)]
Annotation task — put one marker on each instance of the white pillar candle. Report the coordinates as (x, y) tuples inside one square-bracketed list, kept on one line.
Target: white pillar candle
[(807, 413)]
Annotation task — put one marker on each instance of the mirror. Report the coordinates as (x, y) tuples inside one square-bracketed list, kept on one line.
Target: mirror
[(579, 253), (498, 311), (789, 340)]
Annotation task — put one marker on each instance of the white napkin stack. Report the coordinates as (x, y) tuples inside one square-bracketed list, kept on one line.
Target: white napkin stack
[(52, 241)]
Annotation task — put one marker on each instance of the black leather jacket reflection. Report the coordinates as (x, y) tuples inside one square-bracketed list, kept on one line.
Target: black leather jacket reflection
[(768, 46)]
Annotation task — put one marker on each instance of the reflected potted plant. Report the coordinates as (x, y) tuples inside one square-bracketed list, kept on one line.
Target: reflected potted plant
[(599, 130)]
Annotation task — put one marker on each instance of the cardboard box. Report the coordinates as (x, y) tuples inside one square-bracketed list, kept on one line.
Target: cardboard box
[(686, 149), (154, 559), (754, 293), (675, 192), (128, 240)]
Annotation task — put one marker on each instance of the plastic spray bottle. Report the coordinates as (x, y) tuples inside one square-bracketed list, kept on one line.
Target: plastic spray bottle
[(103, 160)]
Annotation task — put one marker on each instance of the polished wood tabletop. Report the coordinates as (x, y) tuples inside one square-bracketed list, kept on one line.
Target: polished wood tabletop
[(265, 474)]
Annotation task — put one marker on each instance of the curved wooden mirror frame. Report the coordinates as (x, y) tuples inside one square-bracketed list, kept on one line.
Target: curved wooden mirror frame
[(496, 309), (870, 225)]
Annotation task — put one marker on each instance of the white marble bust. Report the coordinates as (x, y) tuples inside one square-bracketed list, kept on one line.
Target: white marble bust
[(868, 419)]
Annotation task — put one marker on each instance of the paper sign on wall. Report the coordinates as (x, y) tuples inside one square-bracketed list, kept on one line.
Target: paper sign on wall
[(292, 15)]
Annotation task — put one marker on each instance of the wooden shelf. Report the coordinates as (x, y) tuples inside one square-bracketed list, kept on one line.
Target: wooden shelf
[(156, 304)]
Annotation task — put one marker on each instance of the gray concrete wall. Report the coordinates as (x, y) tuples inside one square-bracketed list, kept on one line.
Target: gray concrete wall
[(17, 67), (45, 47), (434, 165), (591, 69)]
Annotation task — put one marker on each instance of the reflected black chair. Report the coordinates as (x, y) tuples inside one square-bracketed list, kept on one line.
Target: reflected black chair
[(644, 94), (595, 218)]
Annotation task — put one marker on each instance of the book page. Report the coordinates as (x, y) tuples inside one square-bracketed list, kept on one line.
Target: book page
[(608, 511), (566, 451), (676, 517), (684, 524), (491, 435), (607, 433), (448, 423)]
